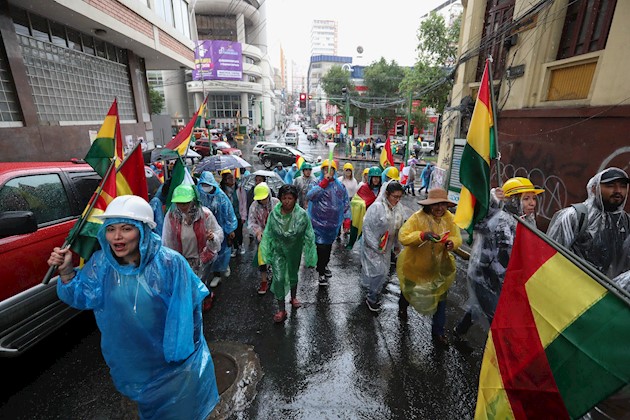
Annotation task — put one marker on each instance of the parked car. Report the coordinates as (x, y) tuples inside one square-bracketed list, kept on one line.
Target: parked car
[(274, 153), (225, 148), (202, 146), (424, 148), (39, 204), (290, 138), (258, 147)]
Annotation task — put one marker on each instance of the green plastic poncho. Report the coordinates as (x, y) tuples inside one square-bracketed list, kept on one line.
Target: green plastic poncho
[(285, 238)]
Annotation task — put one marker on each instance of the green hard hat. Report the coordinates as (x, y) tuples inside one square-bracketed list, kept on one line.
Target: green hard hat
[(374, 171), (306, 166), (183, 194)]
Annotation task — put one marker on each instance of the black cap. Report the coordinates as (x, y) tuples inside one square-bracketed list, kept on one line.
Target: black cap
[(613, 174)]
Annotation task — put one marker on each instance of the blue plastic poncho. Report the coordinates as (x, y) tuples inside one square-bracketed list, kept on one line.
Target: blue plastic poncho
[(288, 178), (151, 326), (327, 209), (286, 237), (157, 203), (221, 206)]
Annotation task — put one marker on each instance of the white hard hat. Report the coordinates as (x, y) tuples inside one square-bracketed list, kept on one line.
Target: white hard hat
[(130, 207)]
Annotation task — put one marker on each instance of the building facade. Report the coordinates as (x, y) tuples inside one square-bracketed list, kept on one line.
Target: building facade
[(562, 91), (249, 100), (324, 37), (63, 63)]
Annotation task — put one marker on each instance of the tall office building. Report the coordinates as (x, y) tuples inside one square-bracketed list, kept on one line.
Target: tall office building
[(324, 34)]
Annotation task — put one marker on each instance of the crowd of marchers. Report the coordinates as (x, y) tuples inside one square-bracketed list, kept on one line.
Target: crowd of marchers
[(157, 266)]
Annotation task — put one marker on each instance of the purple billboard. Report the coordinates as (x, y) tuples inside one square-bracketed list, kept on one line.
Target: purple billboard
[(218, 60)]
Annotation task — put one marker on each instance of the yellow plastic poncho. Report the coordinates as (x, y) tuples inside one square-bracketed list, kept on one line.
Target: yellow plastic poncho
[(426, 269)]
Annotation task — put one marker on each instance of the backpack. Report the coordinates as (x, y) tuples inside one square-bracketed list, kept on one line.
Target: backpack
[(582, 214)]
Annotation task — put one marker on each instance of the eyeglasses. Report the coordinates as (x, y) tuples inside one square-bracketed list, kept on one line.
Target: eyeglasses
[(396, 196)]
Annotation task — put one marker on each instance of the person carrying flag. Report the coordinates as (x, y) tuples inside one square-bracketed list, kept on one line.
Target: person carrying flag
[(380, 235), (211, 196), (147, 303), (327, 207), (348, 181), (256, 221), (362, 200)]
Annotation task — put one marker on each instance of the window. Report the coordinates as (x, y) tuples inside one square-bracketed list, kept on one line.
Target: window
[(499, 14), (44, 195), (85, 184), (9, 109), (586, 27)]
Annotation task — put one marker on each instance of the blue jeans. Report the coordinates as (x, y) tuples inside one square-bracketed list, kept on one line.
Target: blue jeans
[(439, 319)]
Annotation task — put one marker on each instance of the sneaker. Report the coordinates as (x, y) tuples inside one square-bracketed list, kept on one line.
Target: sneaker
[(327, 272), (215, 281), (373, 306), (241, 250), (264, 286), (279, 317), (295, 303), (227, 273), (323, 280), (233, 253)]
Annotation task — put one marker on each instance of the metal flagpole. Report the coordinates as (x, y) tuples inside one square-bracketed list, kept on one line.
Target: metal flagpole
[(493, 104)]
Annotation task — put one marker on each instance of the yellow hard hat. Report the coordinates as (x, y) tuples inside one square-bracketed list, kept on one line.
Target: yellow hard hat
[(225, 171), (365, 171), (261, 191), (326, 164), (519, 185), (392, 173), (348, 166)]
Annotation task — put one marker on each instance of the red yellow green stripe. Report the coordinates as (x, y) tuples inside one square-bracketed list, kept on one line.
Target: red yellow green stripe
[(182, 140)]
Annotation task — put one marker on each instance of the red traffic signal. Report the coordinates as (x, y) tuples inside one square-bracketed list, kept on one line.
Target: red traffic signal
[(302, 100)]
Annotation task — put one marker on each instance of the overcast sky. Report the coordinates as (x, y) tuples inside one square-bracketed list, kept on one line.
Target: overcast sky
[(382, 28)]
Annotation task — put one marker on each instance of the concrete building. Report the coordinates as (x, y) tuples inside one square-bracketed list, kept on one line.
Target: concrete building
[(449, 10), (562, 90), (63, 63), (324, 36), (318, 107), (248, 101)]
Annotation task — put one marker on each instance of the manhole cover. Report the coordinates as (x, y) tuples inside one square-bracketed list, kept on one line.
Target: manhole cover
[(225, 369)]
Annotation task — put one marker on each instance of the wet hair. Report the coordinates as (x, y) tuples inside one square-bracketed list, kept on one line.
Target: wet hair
[(288, 189), (394, 186)]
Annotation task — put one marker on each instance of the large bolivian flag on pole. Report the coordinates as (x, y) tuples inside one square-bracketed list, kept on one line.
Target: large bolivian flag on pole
[(182, 140), (474, 171), (559, 341), (108, 142)]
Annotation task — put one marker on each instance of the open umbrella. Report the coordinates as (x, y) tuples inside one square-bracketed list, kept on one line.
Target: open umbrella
[(221, 162), (273, 180)]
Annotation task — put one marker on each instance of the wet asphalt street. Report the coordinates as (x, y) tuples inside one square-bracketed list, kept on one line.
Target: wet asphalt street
[(332, 358)]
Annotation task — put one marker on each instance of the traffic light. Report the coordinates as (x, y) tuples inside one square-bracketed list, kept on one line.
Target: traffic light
[(302, 100)]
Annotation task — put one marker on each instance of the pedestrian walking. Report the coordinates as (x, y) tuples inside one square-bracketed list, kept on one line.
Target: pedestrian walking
[(596, 229), (327, 207), (288, 234), (288, 178), (303, 183), (410, 187), (425, 267), (425, 177), (380, 236), (193, 231), (362, 200), (158, 204), (147, 303), (364, 178), (491, 249), (257, 220), (212, 197), (238, 198), (348, 181), (279, 169)]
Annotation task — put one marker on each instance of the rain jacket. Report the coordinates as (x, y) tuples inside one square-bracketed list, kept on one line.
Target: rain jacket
[(285, 239), (151, 326), (304, 184), (203, 223), (327, 207), (489, 256), (238, 198), (258, 215), (426, 175), (351, 185), (380, 234), (359, 204), (281, 172), (288, 178), (426, 269), (158, 203), (601, 243), (220, 205)]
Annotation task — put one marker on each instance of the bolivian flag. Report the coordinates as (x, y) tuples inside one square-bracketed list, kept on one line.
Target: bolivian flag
[(474, 172), (387, 158), (130, 176), (181, 141), (559, 341), (108, 143)]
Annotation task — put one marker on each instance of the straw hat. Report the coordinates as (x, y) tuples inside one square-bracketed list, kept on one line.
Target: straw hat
[(437, 195)]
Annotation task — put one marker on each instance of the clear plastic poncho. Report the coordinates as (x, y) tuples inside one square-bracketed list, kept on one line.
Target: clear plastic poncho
[(285, 239), (380, 234), (327, 209), (221, 206), (304, 184), (426, 269), (601, 243), (151, 326)]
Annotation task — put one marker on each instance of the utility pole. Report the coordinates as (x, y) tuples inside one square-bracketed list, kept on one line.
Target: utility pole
[(344, 91), (262, 127)]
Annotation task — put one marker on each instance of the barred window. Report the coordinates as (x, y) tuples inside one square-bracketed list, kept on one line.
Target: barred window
[(586, 27)]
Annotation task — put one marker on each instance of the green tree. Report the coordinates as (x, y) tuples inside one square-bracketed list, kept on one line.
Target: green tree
[(156, 100), (333, 82), (382, 80), (431, 76)]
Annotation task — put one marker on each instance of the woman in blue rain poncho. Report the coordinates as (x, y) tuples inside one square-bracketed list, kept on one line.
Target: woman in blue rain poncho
[(288, 234), (147, 304), (212, 197), (380, 234)]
